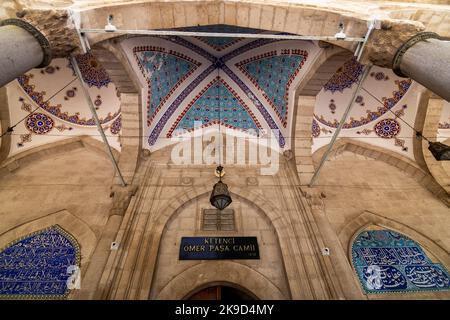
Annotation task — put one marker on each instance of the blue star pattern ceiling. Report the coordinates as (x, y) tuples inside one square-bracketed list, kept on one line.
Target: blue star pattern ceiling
[(273, 74), (387, 261), (37, 266), (261, 85), (164, 71), (219, 44), (217, 102)]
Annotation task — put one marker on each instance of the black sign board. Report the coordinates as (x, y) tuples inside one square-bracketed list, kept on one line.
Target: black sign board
[(217, 248)]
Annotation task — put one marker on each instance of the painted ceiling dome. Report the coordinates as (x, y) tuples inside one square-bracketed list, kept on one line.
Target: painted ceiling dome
[(52, 102), (245, 85), (383, 102), (189, 79)]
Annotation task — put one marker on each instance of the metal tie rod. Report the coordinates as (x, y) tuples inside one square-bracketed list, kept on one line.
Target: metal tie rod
[(95, 116), (358, 54), (341, 124), (221, 34)]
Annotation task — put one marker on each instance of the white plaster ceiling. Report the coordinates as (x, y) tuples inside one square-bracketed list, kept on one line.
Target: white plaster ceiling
[(56, 93)]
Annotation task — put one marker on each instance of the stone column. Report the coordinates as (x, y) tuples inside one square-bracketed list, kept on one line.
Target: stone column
[(23, 48), (337, 261), (425, 59), (303, 138)]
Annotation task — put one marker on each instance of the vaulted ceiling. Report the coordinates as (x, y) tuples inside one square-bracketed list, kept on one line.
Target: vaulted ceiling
[(191, 83)]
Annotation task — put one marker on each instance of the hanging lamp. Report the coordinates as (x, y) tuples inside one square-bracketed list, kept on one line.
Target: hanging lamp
[(220, 196), (440, 151)]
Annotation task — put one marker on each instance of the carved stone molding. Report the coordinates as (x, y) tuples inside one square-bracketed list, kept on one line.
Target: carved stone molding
[(314, 197), (57, 27), (384, 43), (187, 181), (252, 181), (145, 154), (288, 154), (121, 198)]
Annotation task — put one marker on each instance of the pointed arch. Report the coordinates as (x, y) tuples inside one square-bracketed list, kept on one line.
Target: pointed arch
[(220, 271), (392, 158), (387, 261), (349, 232), (36, 266), (73, 228)]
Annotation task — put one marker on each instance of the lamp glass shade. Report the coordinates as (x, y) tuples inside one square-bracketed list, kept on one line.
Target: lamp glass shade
[(439, 150), (220, 196)]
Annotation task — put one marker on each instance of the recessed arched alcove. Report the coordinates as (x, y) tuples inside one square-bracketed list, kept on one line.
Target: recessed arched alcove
[(177, 279)]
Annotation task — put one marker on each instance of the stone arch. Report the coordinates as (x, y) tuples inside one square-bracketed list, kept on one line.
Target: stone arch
[(423, 97), (138, 283), (45, 151), (432, 115), (281, 17), (270, 212), (325, 65), (75, 227), (367, 219), (69, 222), (112, 57), (214, 271), (390, 157), (224, 284), (348, 234)]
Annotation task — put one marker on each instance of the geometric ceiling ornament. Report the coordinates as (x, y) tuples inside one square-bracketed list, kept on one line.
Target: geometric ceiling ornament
[(56, 110), (39, 265), (91, 70), (273, 73), (387, 128), (203, 110), (386, 261), (388, 103), (219, 44), (164, 72), (345, 76), (39, 123)]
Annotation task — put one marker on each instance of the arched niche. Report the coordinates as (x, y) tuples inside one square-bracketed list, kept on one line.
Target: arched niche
[(220, 291), (176, 279), (67, 224), (387, 261), (39, 265), (216, 272)]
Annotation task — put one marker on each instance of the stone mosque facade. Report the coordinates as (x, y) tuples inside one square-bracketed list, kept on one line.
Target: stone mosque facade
[(111, 136)]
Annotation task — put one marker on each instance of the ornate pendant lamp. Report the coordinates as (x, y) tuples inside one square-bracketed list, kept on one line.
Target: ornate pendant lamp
[(439, 150), (220, 196)]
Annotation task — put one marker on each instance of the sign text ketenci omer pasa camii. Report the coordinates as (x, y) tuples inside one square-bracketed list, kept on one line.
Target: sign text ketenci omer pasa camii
[(214, 248)]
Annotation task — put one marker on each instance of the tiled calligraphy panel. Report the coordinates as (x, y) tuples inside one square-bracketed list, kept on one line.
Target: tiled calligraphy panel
[(36, 266), (387, 261)]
